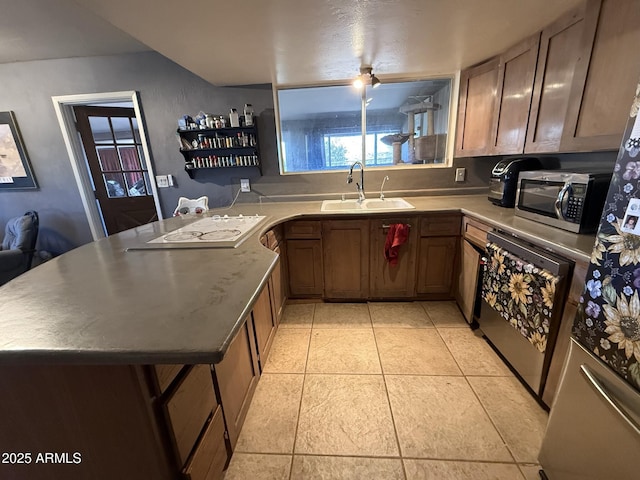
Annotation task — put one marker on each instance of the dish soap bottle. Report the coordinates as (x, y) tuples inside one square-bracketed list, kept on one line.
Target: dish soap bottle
[(248, 115)]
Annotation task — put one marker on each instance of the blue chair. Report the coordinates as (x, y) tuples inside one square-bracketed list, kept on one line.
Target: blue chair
[(18, 246)]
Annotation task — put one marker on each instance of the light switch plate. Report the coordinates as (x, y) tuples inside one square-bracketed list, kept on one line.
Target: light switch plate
[(460, 174), (162, 181), (244, 185)]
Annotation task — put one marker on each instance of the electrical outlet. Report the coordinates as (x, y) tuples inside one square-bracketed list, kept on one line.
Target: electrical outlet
[(162, 181), (244, 185), (460, 174)]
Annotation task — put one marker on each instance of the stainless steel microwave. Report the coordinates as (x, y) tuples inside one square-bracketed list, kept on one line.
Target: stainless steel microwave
[(567, 200)]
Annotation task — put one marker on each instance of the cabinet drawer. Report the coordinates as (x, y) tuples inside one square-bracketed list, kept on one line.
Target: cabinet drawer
[(475, 231), (165, 374), (440, 225), (210, 457), (189, 407), (302, 229)]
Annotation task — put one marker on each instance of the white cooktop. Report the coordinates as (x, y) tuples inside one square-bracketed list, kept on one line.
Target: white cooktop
[(216, 231)]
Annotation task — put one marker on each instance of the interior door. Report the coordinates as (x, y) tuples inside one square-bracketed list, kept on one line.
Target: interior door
[(113, 149)]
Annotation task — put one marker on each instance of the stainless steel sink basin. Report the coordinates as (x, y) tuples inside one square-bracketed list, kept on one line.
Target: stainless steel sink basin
[(369, 205)]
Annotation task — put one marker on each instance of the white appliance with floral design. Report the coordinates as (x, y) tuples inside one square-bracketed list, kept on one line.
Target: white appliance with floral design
[(594, 424)]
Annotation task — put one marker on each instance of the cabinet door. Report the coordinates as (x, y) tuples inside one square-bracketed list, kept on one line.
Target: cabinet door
[(237, 376), (564, 332), (388, 281), (513, 98), (558, 53), (475, 109), (304, 262), (346, 258), (264, 325), (436, 263), (188, 409), (606, 77), (277, 289), (468, 279), (209, 459)]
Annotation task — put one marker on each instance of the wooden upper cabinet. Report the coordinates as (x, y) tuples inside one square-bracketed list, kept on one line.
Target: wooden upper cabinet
[(558, 53), (513, 98), (605, 77), (476, 104)]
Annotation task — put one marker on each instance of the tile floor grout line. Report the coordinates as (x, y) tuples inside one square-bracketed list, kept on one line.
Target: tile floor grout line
[(478, 398), (484, 409), (386, 390), (518, 464), (304, 382)]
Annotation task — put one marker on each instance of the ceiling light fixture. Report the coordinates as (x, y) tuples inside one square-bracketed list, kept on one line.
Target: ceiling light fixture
[(366, 77)]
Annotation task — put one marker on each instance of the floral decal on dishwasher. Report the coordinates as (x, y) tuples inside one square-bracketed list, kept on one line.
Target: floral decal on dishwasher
[(608, 318), (521, 293)]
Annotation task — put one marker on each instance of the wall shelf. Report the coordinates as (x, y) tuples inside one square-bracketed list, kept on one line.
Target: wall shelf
[(219, 148)]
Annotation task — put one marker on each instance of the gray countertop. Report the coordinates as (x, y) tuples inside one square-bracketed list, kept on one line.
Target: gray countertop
[(104, 304)]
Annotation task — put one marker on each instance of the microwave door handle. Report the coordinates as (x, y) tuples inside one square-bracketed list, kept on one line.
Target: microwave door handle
[(561, 194)]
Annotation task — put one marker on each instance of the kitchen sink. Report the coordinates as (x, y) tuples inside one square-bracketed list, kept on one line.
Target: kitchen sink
[(369, 205)]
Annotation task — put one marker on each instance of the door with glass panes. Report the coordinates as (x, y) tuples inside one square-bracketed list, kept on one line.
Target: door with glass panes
[(117, 165)]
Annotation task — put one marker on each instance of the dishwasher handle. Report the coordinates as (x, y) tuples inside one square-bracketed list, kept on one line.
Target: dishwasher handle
[(530, 254)]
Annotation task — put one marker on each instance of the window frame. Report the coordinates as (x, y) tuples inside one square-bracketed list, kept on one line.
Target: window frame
[(454, 79)]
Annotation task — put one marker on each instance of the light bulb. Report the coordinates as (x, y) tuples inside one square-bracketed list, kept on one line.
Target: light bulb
[(358, 83)]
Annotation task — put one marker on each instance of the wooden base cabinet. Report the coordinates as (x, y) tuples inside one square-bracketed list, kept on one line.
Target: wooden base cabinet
[(385, 280), (304, 258), (209, 461), (468, 279), (274, 240), (564, 333), (346, 258), (474, 239), (237, 376), (436, 265), (437, 255), (265, 325)]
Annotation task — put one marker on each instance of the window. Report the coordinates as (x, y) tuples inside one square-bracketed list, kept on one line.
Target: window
[(406, 124)]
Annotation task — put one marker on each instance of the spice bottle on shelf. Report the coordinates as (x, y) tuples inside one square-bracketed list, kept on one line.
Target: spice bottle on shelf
[(234, 118), (248, 115)]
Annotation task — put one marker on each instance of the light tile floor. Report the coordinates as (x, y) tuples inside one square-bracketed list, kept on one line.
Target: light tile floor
[(401, 391)]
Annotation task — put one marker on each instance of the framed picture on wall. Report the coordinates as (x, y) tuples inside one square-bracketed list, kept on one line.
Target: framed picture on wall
[(15, 169)]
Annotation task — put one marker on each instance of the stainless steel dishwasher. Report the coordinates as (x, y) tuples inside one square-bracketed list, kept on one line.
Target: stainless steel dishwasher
[(523, 290)]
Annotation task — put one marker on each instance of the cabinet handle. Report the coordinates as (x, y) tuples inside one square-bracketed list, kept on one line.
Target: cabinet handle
[(613, 403), (389, 226)]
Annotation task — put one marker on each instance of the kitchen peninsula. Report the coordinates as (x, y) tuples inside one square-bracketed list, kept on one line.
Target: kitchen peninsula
[(107, 350)]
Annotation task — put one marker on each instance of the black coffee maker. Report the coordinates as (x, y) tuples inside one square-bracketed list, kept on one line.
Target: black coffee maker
[(503, 184)]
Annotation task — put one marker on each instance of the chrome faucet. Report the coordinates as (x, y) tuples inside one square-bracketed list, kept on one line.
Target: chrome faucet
[(360, 186), (386, 177)]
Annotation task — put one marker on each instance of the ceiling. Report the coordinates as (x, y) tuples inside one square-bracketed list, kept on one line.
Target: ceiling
[(285, 42)]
